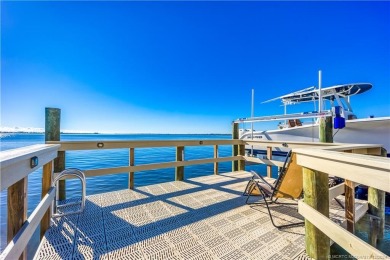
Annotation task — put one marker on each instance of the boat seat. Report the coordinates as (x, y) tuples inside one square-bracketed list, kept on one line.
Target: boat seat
[(291, 123), (298, 122)]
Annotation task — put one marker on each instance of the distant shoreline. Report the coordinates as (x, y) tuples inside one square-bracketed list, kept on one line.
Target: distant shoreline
[(96, 133)]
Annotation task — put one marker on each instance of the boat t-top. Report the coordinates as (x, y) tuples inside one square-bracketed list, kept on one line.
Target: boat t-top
[(296, 128)]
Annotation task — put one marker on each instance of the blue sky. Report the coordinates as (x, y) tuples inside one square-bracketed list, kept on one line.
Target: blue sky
[(184, 67)]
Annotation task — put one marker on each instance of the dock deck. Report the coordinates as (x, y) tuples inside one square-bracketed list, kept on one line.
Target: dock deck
[(199, 218)]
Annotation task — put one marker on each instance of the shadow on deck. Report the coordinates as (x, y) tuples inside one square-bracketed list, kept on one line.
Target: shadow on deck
[(200, 218)]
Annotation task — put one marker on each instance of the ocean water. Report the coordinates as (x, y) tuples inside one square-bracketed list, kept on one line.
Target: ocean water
[(94, 159)]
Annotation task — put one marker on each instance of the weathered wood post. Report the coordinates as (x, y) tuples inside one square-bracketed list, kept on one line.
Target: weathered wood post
[(179, 173), (376, 205), (241, 151), (269, 157), (316, 189), (52, 133), (215, 156), (315, 185), (17, 209), (47, 172), (326, 130), (235, 135), (131, 163)]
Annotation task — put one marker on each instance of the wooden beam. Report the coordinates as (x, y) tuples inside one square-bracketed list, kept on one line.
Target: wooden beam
[(47, 173), (235, 135), (336, 191), (352, 244), (153, 166), (16, 247), (101, 145), (16, 163), (350, 205), (241, 163), (316, 192), (269, 157), (376, 204), (216, 156), (131, 163), (16, 209), (349, 166), (179, 174)]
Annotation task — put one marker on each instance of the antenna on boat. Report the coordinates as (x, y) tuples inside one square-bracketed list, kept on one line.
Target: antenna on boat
[(252, 115), (319, 91)]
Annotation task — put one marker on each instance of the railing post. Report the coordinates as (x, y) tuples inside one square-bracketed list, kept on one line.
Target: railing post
[(179, 174), (241, 151), (131, 163), (46, 184), (17, 209), (269, 157), (53, 133), (326, 130), (315, 185), (376, 204), (235, 135), (215, 156), (349, 189)]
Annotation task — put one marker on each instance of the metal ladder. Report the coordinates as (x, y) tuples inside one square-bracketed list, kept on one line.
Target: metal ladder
[(75, 173)]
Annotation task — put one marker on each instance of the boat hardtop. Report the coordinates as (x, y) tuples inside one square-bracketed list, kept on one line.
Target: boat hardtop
[(329, 93)]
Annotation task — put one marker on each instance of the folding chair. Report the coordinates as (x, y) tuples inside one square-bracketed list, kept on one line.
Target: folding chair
[(289, 184)]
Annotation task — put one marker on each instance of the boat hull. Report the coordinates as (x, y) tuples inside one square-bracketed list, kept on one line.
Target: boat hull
[(358, 131)]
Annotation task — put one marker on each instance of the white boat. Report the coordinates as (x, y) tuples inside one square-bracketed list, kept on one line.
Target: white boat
[(367, 130)]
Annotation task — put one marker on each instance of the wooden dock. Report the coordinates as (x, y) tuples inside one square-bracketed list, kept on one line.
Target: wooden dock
[(200, 218)]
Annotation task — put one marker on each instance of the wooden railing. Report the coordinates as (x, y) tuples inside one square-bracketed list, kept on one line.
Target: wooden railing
[(335, 159), (178, 164), (369, 170), (16, 165), (357, 164)]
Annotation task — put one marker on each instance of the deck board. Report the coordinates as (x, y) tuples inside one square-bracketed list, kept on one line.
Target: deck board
[(199, 218)]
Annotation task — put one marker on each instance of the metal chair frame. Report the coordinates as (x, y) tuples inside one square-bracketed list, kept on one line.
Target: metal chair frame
[(266, 195)]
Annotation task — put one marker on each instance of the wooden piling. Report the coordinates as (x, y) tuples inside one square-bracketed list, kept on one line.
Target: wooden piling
[(235, 135), (131, 163), (17, 209), (216, 156), (241, 163), (349, 189), (316, 190), (53, 133), (269, 157), (46, 184), (179, 174), (376, 207), (326, 130)]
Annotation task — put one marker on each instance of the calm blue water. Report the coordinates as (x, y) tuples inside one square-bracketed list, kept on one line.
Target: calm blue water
[(113, 158)]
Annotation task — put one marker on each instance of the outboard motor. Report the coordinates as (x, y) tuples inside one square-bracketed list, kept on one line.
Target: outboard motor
[(338, 120)]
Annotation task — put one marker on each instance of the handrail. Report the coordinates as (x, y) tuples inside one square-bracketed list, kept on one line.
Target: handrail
[(349, 166), (16, 165), (372, 171), (92, 145)]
